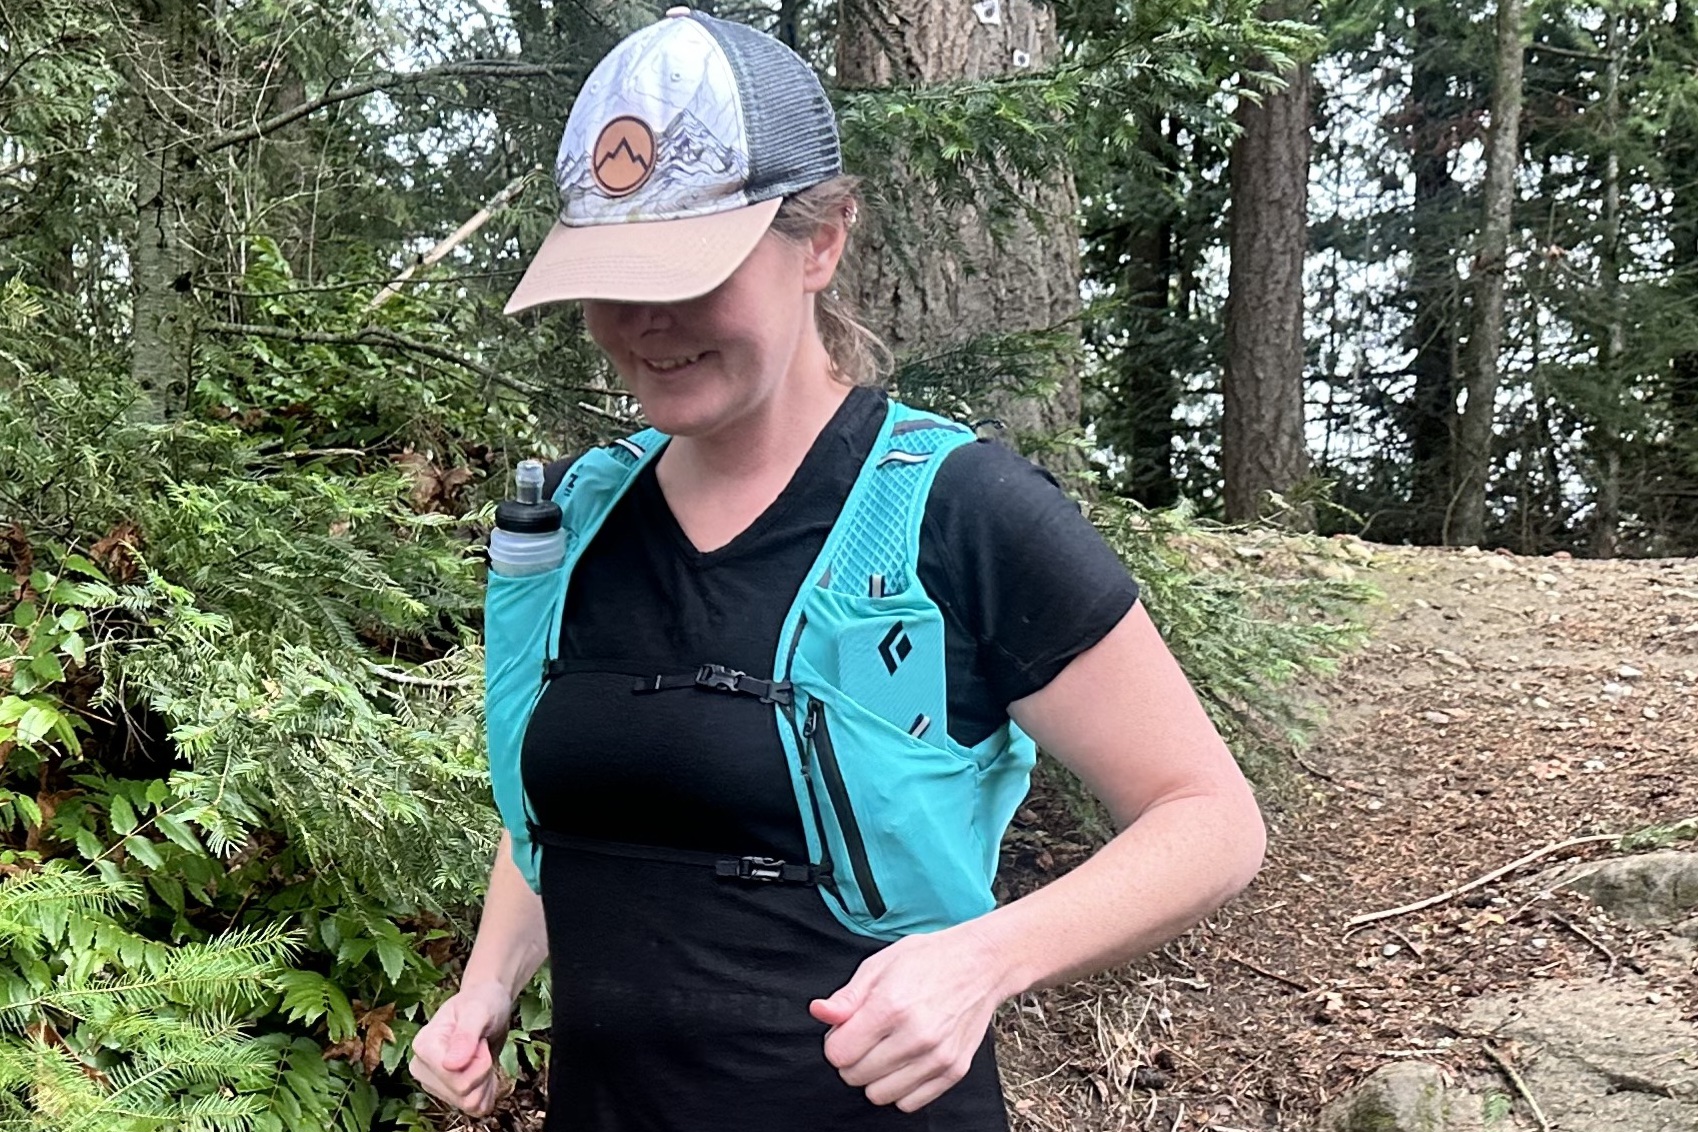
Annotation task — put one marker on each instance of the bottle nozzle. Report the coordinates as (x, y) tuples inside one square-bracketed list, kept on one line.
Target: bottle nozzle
[(527, 477)]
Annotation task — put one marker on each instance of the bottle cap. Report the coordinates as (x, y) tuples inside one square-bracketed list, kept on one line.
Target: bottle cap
[(528, 512)]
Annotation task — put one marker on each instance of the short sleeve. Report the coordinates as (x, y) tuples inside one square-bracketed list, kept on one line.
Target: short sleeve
[(1018, 569)]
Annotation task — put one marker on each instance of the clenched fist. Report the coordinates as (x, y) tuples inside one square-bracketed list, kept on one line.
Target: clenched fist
[(454, 1055)]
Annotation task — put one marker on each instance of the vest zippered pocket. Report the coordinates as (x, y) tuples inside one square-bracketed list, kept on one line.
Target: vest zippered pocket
[(817, 734)]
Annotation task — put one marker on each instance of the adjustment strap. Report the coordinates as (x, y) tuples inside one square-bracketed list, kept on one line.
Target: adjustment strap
[(764, 870), (718, 678)]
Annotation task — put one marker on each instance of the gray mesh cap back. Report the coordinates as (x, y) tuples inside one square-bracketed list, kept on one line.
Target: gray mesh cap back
[(677, 153)]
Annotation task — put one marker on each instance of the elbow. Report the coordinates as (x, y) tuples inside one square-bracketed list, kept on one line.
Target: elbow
[(1249, 842), (1255, 848)]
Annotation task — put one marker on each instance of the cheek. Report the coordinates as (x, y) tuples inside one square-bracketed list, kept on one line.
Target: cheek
[(600, 325)]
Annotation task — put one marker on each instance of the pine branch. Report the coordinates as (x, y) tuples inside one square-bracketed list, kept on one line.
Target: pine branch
[(367, 336), (472, 68)]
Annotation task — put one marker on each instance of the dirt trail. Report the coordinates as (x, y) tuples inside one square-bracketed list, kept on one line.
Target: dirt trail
[(1505, 705)]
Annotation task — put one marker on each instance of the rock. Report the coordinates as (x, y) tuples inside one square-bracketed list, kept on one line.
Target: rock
[(1628, 672), (1598, 1056), (1500, 565), (1616, 691), (1437, 717), (1651, 888), (1406, 1096)]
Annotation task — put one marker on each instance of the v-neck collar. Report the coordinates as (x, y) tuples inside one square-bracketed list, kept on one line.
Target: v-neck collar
[(852, 419)]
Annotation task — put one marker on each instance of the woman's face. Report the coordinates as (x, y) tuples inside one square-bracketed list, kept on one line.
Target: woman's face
[(704, 363)]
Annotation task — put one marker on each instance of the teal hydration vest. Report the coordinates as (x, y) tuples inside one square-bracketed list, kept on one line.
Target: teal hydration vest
[(904, 822)]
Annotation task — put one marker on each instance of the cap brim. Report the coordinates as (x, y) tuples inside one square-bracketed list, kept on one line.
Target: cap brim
[(648, 261)]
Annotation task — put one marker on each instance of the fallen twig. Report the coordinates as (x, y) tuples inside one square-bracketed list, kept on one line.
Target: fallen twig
[(1477, 882), (1278, 978), (1608, 954), (1520, 1085), (1314, 770), (1389, 930)]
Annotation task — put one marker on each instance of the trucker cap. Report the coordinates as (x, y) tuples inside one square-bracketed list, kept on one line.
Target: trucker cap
[(679, 150)]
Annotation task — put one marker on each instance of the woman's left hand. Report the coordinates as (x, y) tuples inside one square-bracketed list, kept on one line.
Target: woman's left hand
[(906, 1026)]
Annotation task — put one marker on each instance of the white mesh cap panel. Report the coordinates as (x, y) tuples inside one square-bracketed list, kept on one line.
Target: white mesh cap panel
[(661, 112)]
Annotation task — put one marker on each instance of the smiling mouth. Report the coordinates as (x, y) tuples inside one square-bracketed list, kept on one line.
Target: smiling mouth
[(672, 365)]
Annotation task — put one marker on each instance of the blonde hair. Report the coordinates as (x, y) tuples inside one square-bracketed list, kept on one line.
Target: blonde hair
[(858, 356)]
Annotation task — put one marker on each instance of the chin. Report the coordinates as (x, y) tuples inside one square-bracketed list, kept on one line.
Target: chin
[(697, 412)]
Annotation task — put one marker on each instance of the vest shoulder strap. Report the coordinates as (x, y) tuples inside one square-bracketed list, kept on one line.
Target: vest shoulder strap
[(879, 547), (596, 481)]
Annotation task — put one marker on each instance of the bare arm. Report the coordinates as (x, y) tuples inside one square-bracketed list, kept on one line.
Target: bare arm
[(512, 938), (454, 1054), (1124, 719)]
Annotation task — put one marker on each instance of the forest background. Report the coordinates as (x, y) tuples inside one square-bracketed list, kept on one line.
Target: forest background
[(1419, 272)]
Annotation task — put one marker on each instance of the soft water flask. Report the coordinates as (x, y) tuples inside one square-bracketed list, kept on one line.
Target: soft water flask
[(527, 538)]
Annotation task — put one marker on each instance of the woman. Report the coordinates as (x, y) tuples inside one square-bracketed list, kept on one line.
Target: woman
[(836, 964)]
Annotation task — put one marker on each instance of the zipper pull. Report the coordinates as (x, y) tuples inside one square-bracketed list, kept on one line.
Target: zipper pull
[(812, 721)]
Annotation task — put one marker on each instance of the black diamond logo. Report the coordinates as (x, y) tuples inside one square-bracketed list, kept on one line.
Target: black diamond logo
[(895, 647)]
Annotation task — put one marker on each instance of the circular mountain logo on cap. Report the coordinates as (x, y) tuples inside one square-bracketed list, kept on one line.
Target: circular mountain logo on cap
[(623, 157)]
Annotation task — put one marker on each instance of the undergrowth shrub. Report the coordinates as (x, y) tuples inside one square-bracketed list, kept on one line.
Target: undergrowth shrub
[(244, 814)]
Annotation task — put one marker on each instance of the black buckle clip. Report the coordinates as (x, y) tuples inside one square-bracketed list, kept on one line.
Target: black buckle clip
[(751, 868), (719, 677)]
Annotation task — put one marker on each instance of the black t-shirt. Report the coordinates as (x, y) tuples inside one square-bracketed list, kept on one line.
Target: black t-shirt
[(680, 1000)]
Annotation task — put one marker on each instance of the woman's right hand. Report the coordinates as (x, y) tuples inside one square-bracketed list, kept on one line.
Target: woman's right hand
[(454, 1054)]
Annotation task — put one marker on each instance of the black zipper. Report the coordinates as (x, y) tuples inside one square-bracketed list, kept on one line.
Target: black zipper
[(804, 753), (818, 733)]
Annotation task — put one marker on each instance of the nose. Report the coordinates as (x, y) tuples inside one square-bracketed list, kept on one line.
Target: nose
[(640, 318)]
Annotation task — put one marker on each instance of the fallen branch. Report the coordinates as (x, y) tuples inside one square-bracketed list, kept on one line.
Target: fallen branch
[(1520, 1085), (1430, 901), (471, 68)]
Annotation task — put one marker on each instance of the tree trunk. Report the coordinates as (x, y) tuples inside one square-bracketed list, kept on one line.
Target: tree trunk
[(1473, 458), (1430, 414), (1680, 155), (159, 76), (1134, 242), (1028, 280), (1153, 390), (1606, 438), (1263, 446)]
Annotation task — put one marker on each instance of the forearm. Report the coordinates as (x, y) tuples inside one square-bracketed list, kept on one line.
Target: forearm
[(1178, 862), (512, 939)]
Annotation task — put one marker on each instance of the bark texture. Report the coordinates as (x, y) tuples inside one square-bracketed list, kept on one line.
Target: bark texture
[(156, 70), (1030, 279), (1430, 415), (1466, 524), (1262, 441)]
